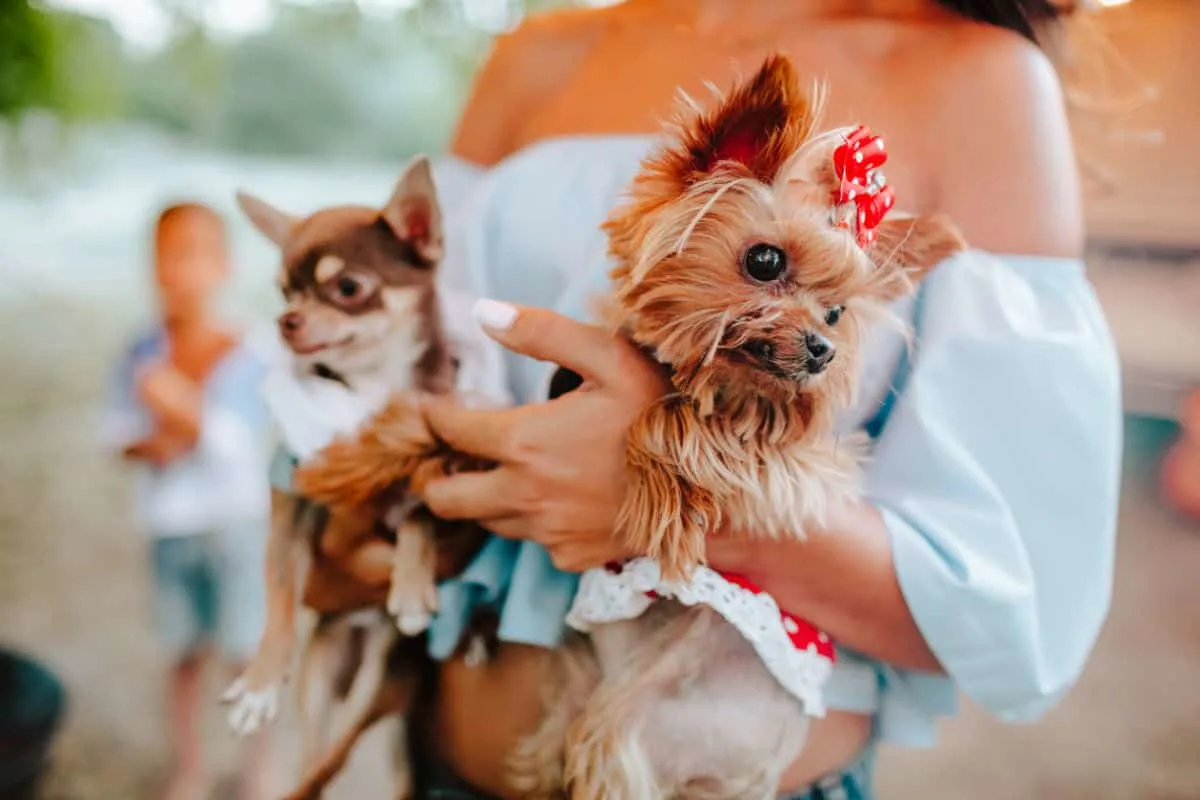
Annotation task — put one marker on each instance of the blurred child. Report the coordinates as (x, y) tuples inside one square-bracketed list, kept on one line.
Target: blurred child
[(186, 411)]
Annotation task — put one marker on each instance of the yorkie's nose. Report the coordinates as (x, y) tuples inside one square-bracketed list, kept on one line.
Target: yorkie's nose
[(290, 324), (820, 352)]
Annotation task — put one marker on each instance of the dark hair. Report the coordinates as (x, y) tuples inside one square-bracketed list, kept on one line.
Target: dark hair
[(1021, 16)]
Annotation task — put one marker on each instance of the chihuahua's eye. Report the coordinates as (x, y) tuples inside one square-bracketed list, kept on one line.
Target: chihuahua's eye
[(764, 262), (351, 288), (833, 315)]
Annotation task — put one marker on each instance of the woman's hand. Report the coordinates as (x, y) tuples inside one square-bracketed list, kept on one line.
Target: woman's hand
[(559, 479)]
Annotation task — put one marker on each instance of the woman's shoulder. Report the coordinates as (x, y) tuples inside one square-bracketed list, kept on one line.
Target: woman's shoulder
[(992, 58), (1004, 154), (526, 66), (568, 21)]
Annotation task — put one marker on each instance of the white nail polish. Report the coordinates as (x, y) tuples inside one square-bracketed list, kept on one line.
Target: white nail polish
[(494, 314)]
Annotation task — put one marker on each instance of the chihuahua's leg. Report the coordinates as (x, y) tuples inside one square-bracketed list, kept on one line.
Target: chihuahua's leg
[(349, 540), (535, 768), (387, 449), (321, 659), (255, 695), (403, 780), (412, 599), (666, 513), (374, 695)]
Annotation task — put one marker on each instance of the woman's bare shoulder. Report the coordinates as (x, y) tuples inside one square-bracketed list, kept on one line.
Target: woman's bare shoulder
[(1004, 155), (570, 21), (526, 66)]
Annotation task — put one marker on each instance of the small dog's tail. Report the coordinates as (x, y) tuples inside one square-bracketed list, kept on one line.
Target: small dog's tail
[(390, 450)]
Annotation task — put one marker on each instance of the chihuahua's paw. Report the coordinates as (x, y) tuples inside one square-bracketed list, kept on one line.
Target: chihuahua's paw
[(477, 652), (413, 604), (251, 708)]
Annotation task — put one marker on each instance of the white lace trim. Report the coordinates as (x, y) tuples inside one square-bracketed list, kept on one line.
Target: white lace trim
[(606, 596)]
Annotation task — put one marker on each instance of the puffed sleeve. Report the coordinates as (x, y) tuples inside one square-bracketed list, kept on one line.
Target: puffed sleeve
[(997, 473)]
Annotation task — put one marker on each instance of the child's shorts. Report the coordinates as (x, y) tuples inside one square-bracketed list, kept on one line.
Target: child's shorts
[(209, 589)]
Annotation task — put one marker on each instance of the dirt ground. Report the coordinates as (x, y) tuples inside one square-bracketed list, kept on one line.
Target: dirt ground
[(73, 589)]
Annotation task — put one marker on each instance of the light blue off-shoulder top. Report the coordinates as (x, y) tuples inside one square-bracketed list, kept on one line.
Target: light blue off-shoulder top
[(997, 447)]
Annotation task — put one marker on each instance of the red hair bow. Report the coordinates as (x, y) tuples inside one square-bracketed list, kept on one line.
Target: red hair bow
[(863, 197)]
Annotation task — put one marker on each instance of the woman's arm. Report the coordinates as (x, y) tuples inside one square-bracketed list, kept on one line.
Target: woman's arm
[(842, 580)]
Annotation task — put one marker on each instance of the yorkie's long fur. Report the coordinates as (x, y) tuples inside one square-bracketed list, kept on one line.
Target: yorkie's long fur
[(731, 274)]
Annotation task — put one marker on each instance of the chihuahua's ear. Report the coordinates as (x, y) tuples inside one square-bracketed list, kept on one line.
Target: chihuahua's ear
[(909, 247), (758, 125), (276, 225), (413, 213)]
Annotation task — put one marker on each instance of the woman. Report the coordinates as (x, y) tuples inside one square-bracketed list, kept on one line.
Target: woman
[(982, 561)]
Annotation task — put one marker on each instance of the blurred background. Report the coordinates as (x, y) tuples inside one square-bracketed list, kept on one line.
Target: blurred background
[(111, 108)]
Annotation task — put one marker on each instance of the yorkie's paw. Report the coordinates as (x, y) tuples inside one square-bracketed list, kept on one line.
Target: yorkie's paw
[(251, 708), (412, 602), (675, 538)]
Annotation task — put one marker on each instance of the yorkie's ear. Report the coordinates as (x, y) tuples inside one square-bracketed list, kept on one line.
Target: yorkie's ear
[(272, 223), (759, 125), (413, 213), (908, 247)]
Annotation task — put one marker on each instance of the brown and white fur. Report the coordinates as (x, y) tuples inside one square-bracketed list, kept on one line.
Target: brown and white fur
[(362, 312), (744, 445)]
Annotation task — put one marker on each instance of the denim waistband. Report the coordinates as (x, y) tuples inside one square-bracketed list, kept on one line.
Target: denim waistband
[(852, 783)]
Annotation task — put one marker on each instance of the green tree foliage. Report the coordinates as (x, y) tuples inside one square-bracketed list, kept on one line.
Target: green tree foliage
[(27, 58), (325, 79), (67, 63)]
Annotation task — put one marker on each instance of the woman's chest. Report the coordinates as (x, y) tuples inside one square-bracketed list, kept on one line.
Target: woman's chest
[(631, 84)]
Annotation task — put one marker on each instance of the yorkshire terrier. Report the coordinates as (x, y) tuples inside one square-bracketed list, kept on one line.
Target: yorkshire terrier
[(749, 258), (363, 327)]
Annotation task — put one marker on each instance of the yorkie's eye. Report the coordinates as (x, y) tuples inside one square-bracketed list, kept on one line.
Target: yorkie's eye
[(833, 315), (764, 262)]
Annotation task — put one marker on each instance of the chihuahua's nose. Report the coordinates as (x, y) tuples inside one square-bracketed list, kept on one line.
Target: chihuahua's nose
[(820, 352), (291, 323)]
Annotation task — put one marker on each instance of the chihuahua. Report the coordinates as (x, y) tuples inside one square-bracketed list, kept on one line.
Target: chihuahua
[(362, 326), (751, 254)]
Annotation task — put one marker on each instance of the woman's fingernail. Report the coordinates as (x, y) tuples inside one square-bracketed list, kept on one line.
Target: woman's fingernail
[(494, 314)]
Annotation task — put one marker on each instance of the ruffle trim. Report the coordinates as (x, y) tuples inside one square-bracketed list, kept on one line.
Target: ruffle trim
[(798, 655)]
